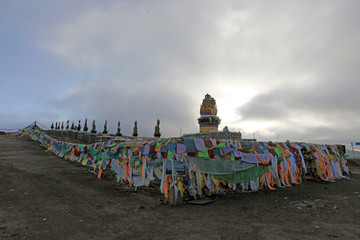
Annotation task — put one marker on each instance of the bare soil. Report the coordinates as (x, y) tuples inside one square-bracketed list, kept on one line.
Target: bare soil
[(44, 197)]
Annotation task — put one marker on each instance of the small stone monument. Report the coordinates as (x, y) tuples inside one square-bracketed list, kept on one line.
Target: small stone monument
[(56, 126), (73, 125), (85, 126), (157, 129), (105, 128), (79, 126), (52, 126), (93, 130), (62, 126), (67, 125), (118, 132), (135, 131)]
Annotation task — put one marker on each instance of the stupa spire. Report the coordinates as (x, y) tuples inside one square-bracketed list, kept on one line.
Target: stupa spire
[(208, 121)]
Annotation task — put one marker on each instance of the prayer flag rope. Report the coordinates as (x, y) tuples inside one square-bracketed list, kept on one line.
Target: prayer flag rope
[(201, 167)]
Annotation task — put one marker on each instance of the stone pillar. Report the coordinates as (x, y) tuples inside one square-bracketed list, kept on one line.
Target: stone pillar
[(157, 133), (135, 130)]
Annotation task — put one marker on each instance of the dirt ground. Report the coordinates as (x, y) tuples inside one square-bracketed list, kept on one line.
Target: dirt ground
[(44, 197)]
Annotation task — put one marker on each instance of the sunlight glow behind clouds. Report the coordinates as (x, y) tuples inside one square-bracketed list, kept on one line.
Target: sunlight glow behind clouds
[(237, 53)]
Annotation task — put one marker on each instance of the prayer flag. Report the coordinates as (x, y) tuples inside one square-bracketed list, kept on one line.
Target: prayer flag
[(278, 151)]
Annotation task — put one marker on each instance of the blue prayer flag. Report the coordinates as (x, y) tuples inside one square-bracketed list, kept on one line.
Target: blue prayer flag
[(357, 143)]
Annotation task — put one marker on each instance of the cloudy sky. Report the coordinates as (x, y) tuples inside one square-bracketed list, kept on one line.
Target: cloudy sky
[(279, 69)]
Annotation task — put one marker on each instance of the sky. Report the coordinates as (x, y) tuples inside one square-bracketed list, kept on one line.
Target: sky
[(282, 70)]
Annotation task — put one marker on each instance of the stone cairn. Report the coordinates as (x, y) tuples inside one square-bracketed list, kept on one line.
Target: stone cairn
[(135, 131), (61, 126), (105, 128), (118, 132), (79, 126), (93, 130), (85, 126), (157, 129)]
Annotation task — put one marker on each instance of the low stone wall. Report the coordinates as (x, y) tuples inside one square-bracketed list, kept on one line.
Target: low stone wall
[(77, 136), (88, 138), (217, 135)]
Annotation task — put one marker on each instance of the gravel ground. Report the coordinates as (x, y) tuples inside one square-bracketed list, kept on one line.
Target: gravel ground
[(44, 197)]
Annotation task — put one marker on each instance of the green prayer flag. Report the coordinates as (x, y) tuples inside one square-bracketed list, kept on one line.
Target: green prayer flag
[(65, 151), (164, 141), (246, 175), (220, 145), (95, 152), (170, 154), (278, 151), (204, 155)]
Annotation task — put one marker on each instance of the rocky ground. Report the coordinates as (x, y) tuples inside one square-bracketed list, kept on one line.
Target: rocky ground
[(44, 197)]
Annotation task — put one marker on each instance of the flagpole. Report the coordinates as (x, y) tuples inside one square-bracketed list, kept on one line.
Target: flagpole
[(352, 145)]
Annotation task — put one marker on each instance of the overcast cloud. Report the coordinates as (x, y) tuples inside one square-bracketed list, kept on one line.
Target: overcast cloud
[(280, 69)]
